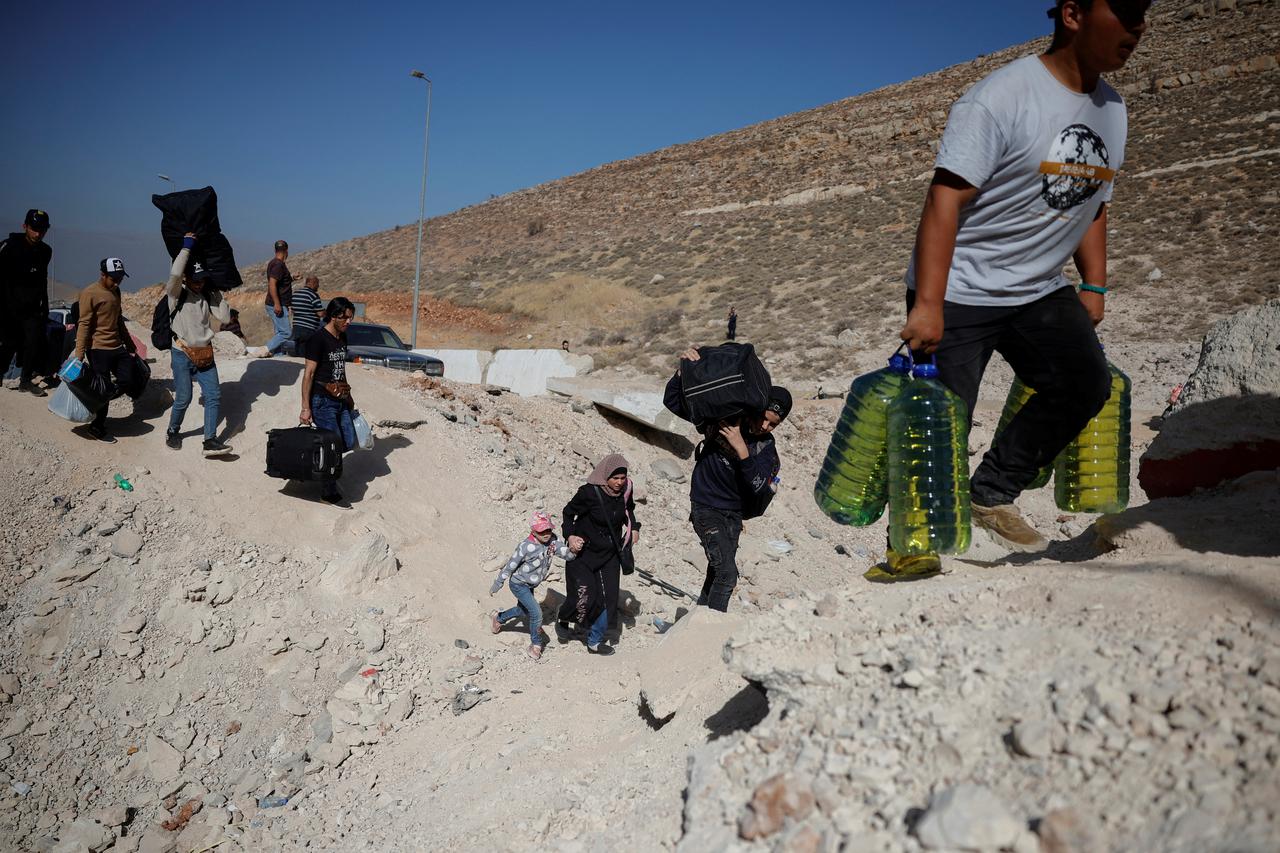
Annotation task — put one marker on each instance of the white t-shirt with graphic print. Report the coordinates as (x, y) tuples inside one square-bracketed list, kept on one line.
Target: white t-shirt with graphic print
[(1044, 159)]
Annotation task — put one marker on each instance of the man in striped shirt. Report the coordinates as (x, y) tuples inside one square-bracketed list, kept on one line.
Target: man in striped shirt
[(307, 312)]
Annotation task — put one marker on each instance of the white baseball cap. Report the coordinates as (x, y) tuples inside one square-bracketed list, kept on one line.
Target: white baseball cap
[(111, 266)]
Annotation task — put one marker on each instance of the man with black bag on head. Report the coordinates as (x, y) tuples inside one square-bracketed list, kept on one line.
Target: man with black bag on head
[(24, 297), (735, 477), (193, 309)]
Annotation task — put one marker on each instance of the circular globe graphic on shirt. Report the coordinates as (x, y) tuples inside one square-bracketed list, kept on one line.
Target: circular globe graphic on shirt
[(1071, 175)]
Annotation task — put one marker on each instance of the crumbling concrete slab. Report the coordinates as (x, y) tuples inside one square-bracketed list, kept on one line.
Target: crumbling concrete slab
[(526, 371), (462, 365), (687, 664), (641, 404)]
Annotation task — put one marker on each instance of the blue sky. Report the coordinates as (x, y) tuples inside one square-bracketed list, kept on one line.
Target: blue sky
[(305, 119)]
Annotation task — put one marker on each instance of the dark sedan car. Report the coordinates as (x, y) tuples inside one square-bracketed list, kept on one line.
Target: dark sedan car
[(370, 343)]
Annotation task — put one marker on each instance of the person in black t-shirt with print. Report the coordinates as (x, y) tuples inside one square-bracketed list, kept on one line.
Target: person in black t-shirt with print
[(326, 396)]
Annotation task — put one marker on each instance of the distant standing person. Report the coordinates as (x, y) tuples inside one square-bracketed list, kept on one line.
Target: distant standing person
[(326, 395), (307, 311), (24, 297), (102, 336), (279, 299), (733, 323), (194, 310)]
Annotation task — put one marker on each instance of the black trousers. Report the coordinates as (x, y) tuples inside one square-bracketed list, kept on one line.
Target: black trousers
[(1052, 347), (117, 365), (23, 336), (718, 530)]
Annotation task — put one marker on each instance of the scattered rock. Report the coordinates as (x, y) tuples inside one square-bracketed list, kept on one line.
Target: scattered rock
[(774, 800), (1067, 831), (368, 561), (372, 635), (968, 817), (668, 469), (126, 543), (1033, 738)]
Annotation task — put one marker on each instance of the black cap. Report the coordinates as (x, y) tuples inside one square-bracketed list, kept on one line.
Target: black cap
[(779, 401), (197, 271), (37, 219), (281, 246)]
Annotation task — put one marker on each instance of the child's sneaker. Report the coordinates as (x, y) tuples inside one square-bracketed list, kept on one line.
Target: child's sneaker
[(494, 625), (534, 651)]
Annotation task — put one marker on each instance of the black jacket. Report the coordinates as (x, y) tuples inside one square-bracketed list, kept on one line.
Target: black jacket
[(593, 514), (721, 480), (24, 276)]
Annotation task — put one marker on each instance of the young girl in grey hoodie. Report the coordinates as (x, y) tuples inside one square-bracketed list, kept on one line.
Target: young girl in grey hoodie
[(529, 566)]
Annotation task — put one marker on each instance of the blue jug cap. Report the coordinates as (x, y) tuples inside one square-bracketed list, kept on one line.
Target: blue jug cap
[(925, 371), (900, 363)]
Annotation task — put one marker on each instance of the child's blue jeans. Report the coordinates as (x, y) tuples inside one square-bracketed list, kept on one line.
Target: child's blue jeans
[(527, 604)]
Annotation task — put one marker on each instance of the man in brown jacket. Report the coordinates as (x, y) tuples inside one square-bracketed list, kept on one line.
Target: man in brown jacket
[(103, 337)]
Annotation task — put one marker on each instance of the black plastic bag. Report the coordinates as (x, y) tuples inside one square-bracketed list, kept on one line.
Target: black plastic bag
[(197, 211)]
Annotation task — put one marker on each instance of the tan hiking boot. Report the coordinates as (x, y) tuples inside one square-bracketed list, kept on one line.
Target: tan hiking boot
[(1007, 527)]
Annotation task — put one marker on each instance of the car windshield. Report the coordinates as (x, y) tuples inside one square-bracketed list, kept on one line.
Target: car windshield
[(372, 336)]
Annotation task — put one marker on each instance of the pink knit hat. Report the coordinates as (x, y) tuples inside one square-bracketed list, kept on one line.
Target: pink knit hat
[(540, 522)]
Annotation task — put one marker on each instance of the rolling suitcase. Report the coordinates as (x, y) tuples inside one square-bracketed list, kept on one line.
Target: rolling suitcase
[(304, 453)]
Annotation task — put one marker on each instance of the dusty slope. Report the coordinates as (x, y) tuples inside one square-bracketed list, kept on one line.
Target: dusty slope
[(244, 621)]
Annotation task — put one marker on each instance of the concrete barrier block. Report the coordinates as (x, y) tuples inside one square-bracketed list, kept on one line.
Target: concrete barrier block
[(526, 371), (462, 365)]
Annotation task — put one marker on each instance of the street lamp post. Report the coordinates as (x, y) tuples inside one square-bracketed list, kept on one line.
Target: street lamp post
[(170, 180), (422, 206)]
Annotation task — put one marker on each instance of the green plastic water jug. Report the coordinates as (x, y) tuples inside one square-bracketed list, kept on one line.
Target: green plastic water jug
[(1019, 394), (853, 484), (1091, 474), (928, 468)]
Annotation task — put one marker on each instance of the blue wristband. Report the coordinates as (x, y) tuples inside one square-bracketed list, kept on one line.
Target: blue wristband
[(1094, 288), (188, 242)]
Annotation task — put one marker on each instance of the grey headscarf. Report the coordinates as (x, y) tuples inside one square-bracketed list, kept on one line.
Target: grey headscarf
[(609, 464)]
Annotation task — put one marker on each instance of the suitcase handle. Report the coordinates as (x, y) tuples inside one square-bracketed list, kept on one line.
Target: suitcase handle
[(319, 459)]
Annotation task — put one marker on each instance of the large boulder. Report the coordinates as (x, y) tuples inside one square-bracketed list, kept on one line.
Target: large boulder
[(1239, 356), (1226, 421), (228, 345)]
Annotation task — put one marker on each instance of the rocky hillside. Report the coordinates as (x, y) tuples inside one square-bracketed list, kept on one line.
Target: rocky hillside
[(805, 223)]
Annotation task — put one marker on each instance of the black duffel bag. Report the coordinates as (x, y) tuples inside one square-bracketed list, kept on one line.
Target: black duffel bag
[(93, 389), (727, 381), (196, 211)]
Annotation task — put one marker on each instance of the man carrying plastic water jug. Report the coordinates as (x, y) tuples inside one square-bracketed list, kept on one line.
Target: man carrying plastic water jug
[(1023, 177)]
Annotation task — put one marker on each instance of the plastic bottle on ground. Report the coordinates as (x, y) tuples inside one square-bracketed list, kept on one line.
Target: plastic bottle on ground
[(1091, 474), (123, 483), (852, 485), (928, 468)]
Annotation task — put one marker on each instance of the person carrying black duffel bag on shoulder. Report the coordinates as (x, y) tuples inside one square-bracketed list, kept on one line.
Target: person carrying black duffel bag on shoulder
[(735, 476), (326, 395)]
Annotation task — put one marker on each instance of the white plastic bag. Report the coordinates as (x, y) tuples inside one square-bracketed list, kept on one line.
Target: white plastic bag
[(364, 432), (64, 404)]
